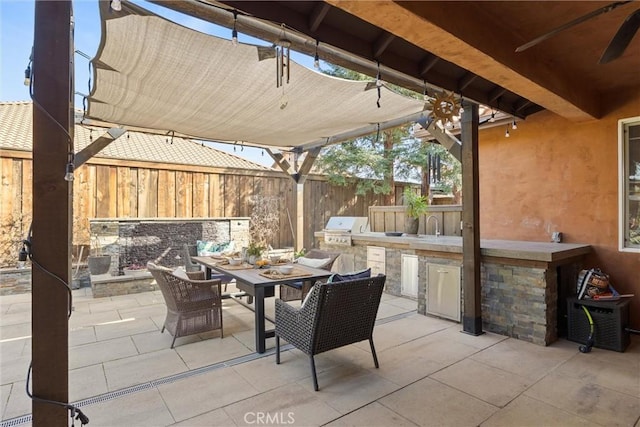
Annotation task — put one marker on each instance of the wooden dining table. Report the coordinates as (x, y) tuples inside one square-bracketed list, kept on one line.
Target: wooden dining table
[(257, 283)]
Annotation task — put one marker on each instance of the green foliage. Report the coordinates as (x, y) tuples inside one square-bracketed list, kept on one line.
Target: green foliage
[(366, 157), (416, 205), (255, 249)]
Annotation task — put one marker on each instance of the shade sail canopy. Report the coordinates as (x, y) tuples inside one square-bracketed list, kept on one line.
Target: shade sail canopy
[(155, 74)]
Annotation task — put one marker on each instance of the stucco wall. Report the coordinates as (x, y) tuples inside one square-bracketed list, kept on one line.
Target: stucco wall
[(556, 175)]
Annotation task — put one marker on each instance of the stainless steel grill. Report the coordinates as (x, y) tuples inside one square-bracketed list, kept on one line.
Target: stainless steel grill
[(339, 229)]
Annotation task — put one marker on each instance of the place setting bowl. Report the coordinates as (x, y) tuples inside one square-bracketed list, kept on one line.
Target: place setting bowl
[(285, 269)]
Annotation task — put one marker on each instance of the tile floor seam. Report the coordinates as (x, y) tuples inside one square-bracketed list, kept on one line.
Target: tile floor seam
[(587, 421)]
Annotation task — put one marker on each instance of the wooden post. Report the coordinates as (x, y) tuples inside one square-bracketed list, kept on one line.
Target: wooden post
[(299, 243), (472, 318), (52, 202)]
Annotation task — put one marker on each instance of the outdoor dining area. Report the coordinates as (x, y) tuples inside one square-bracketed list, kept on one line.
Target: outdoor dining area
[(123, 371)]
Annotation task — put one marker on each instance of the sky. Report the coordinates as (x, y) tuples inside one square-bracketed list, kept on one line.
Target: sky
[(16, 40)]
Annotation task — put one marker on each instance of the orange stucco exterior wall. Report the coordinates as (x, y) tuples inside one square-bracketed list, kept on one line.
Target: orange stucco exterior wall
[(552, 174)]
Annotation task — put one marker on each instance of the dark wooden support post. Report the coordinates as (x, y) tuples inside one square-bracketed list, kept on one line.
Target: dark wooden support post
[(472, 318), (52, 196)]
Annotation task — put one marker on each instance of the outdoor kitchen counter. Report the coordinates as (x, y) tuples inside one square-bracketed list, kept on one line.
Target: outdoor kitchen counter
[(533, 251), (524, 285)]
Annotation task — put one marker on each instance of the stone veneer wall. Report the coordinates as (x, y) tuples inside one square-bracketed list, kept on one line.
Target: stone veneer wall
[(123, 285), (519, 300), (136, 241), (18, 280)]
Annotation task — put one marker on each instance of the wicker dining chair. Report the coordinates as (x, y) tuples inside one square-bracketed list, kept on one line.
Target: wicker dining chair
[(333, 315), (193, 306), (298, 290), (187, 252), (194, 270)]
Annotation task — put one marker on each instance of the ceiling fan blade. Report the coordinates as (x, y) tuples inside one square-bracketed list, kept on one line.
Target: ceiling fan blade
[(573, 23), (623, 37)]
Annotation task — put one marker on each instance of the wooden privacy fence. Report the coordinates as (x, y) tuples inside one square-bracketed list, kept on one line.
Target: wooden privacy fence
[(393, 218), (107, 188)]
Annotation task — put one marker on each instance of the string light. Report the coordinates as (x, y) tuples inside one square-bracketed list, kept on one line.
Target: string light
[(493, 117), (27, 75), (506, 134), (514, 125), (234, 32), (116, 5), (316, 58), (68, 176), (379, 85)]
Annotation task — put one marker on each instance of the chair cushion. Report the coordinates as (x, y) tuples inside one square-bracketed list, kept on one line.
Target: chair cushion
[(313, 262), (207, 248), (349, 276), (181, 273), (158, 267)]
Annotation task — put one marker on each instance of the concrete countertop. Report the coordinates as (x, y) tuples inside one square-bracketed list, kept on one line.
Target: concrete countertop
[(516, 249)]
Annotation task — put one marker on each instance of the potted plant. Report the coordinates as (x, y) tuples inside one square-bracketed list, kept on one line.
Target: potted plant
[(97, 262), (254, 251), (416, 207)]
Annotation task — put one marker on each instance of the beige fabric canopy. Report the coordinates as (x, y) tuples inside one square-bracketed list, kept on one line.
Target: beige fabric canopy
[(151, 73)]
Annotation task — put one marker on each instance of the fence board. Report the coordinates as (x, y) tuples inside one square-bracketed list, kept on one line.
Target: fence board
[(216, 190), (112, 205), (232, 195), (246, 193), (133, 193), (102, 193), (184, 194), (124, 192), (198, 196)]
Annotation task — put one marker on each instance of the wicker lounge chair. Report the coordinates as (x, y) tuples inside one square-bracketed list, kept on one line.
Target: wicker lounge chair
[(332, 316), (298, 290), (193, 306)]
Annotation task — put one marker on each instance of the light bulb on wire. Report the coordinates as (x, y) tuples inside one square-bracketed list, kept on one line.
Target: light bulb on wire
[(68, 176), (493, 117), (27, 76), (234, 32), (506, 134), (116, 5), (514, 125)]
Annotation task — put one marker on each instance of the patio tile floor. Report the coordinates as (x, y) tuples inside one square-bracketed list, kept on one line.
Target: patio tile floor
[(430, 373)]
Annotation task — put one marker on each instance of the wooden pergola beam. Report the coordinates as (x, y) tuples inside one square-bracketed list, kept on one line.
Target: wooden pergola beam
[(96, 146)]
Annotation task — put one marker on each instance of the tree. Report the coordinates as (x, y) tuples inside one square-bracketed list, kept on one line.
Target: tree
[(384, 156), (371, 156)]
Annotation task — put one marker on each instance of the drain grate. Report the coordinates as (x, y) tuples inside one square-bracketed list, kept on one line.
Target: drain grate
[(395, 317), (16, 421), (177, 377)]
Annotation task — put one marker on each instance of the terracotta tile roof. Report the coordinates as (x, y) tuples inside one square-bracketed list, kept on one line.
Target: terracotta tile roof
[(16, 134)]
